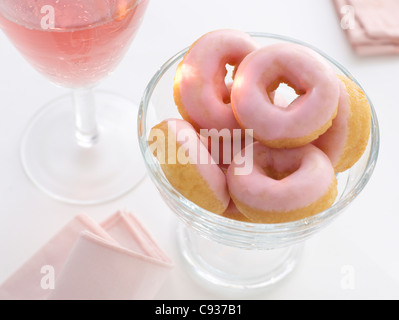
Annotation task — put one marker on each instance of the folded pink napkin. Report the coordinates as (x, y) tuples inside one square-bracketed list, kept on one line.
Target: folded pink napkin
[(114, 260), (372, 26)]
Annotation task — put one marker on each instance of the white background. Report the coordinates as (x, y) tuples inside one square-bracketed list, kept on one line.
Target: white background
[(365, 237)]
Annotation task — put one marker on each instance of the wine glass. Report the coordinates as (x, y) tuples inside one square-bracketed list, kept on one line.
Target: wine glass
[(229, 253), (80, 148)]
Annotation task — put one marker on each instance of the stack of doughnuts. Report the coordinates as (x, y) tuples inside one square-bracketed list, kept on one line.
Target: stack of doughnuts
[(296, 148)]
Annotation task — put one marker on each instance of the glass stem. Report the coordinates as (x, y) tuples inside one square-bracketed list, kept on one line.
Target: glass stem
[(85, 117)]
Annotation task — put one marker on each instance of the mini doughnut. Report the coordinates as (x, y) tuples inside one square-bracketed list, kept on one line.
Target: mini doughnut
[(188, 166), (200, 89), (284, 185), (347, 139), (307, 117)]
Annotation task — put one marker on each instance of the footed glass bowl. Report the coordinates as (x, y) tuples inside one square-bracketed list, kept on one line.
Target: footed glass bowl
[(230, 253)]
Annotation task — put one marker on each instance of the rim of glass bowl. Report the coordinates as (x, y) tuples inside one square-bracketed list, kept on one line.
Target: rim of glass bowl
[(207, 222)]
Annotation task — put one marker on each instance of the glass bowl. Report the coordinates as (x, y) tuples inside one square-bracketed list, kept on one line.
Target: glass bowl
[(230, 253)]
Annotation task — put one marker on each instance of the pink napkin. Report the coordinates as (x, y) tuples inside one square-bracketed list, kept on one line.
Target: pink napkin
[(114, 260), (372, 26)]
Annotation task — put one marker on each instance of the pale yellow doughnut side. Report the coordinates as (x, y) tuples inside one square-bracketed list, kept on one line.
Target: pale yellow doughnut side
[(359, 125), (260, 216), (186, 178)]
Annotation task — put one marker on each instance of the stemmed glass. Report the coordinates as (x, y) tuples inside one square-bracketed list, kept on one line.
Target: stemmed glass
[(233, 254), (82, 147)]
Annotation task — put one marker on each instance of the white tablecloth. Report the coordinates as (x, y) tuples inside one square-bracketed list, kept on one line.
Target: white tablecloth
[(365, 238)]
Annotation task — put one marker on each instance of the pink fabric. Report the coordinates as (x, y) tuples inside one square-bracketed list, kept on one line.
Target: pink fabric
[(372, 26), (117, 259)]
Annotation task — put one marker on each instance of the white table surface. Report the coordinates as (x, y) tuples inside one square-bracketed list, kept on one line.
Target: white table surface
[(365, 237)]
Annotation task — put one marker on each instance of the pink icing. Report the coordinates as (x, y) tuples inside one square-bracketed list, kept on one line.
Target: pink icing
[(202, 85), (199, 156), (334, 140), (305, 70), (311, 178)]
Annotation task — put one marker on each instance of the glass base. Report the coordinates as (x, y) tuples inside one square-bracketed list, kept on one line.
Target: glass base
[(69, 173), (235, 268)]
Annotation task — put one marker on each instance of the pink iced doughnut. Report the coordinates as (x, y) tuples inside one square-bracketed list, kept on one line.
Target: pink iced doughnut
[(188, 166), (347, 139), (307, 117), (200, 90), (284, 185)]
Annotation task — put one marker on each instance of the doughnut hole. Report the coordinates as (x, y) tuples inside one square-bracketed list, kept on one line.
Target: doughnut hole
[(229, 73), (277, 175), (275, 165), (282, 93)]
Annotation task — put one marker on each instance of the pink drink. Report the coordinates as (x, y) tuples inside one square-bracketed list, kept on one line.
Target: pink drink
[(86, 42)]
